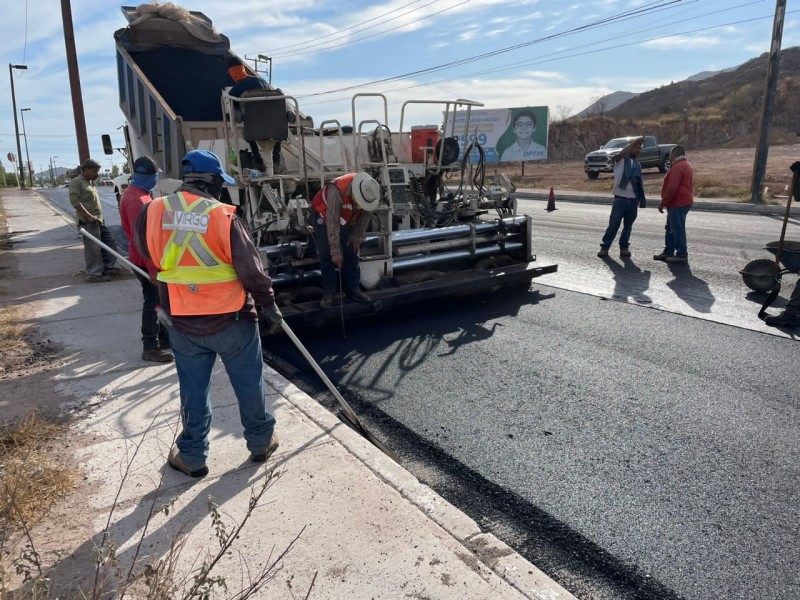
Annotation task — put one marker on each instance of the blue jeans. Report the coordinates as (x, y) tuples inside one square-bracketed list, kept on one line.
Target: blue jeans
[(239, 347), (623, 212), (675, 236), (351, 271)]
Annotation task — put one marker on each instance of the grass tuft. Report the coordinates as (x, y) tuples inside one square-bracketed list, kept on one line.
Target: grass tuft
[(31, 480)]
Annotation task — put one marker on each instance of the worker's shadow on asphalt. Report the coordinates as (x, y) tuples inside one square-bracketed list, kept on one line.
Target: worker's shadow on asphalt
[(692, 290), (630, 282), (409, 337)]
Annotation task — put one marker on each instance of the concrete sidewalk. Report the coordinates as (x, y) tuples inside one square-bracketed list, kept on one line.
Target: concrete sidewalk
[(367, 528)]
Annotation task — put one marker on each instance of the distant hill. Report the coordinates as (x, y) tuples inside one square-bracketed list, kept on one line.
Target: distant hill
[(730, 96), (723, 109), (57, 172), (614, 99), (606, 103), (706, 74)]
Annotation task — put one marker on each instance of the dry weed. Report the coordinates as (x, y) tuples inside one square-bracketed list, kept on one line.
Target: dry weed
[(30, 479)]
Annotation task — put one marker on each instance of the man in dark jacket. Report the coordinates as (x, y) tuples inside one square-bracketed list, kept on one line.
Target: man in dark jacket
[(211, 282)]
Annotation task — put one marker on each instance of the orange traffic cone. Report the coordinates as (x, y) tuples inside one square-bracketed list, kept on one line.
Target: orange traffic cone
[(551, 202)]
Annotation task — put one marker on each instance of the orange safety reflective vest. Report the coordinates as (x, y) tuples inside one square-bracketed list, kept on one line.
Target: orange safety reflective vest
[(189, 239), (349, 209)]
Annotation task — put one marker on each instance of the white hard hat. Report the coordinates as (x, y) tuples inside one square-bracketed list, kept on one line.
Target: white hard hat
[(366, 192)]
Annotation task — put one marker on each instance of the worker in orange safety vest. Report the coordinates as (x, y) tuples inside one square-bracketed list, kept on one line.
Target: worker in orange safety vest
[(343, 206), (211, 285)]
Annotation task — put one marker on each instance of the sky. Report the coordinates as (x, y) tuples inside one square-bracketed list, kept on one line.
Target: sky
[(503, 53)]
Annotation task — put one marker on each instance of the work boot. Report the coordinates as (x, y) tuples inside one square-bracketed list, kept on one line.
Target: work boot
[(262, 455), (98, 278), (603, 252), (160, 355), (327, 300), (175, 461), (785, 319), (358, 296), (624, 252)]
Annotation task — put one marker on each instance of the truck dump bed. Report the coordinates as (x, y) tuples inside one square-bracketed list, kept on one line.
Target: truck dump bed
[(171, 75), (439, 231)]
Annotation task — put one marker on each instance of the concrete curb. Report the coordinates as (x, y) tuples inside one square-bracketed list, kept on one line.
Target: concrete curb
[(114, 395), (488, 549), (727, 205)]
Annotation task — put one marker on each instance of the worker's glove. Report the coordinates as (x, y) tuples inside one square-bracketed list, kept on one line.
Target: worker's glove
[(163, 317), (274, 317)]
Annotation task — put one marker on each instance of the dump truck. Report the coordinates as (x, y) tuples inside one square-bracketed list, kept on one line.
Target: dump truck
[(443, 228)]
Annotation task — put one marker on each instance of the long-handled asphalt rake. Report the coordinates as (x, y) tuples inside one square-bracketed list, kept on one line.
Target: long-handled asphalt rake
[(348, 412)]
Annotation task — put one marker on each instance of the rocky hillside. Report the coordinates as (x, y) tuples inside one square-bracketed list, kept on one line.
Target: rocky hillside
[(721, 111)]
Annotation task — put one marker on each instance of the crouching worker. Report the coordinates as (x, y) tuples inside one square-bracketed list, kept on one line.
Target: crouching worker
[(210, 283), (343, 208)]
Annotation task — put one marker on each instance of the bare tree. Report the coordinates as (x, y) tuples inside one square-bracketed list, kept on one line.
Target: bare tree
[(598, 106), (562, 113)]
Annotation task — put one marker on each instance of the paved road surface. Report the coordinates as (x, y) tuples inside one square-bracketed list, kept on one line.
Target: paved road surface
[(641, 448), (638, 448)]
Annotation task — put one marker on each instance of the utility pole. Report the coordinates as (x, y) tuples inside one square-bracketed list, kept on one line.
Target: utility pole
[(27, 155), (74, 82), (762, 147), (21, 176)]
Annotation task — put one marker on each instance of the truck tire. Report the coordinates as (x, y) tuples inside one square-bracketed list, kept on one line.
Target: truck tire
[(664, 165), (592, 174)]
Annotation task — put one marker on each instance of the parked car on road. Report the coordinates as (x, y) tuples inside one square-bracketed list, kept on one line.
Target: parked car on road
[(653, 155)]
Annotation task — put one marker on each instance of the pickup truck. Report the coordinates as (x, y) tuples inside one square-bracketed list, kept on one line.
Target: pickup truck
[(652, 155)]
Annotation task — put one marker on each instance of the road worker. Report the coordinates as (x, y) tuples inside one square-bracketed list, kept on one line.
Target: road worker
[(343, 206), (211, 284)]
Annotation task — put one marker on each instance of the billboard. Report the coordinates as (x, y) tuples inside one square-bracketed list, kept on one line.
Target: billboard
[(506, 134)]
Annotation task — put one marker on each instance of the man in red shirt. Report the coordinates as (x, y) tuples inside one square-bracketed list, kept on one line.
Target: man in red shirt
[(155, 339), (677, 197)]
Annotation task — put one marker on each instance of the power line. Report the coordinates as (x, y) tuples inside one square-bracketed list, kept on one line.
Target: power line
[(366, 37), (628, 14), (345, 29), (542, 60)]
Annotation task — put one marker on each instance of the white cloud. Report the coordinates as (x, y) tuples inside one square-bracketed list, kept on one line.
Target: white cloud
[(404, 45), (677, 43)]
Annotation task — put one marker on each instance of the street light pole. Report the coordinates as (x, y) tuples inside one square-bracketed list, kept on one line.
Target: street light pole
[(27, 155), (21, 176)]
